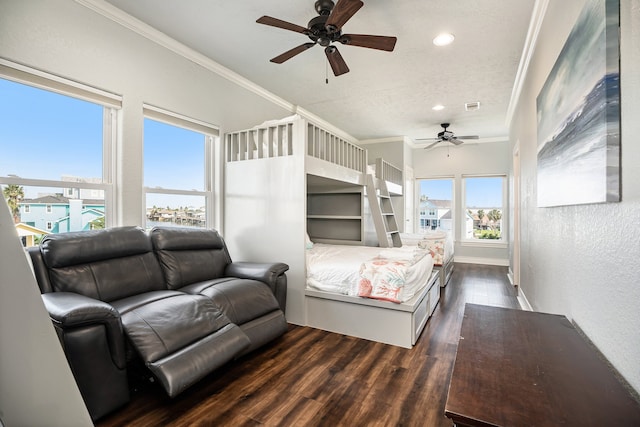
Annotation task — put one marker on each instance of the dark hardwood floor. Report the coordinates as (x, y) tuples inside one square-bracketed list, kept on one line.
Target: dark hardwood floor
[(311, 377)]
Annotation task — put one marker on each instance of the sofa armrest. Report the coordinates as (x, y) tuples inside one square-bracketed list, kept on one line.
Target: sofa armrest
[(264, 272), (68, 310), (273, 274)]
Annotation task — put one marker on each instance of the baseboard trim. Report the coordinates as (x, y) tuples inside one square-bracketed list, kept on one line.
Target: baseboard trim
[(523, 301), (485, 261)]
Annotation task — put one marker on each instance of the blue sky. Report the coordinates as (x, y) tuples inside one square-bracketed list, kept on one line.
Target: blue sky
[(44, 135), (481, 192), (34, 126)]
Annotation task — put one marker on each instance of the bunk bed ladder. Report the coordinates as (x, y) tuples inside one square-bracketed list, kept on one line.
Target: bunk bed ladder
[(384, 218)]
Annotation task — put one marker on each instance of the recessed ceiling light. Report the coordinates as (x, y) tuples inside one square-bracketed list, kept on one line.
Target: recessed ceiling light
[(443, 39), (438, 107)]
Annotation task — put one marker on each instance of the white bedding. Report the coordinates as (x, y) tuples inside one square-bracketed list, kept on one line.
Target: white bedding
[(439, 244), (343, 269)]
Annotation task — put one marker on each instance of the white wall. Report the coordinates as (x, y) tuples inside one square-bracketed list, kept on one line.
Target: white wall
[(584, 261), (466, 159)]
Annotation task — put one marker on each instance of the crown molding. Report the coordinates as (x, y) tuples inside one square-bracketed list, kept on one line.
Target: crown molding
[(122, 18), (537, 17)]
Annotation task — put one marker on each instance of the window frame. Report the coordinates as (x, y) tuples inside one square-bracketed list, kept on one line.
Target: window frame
[(493, 243), (111, 104), (212, 178), (427, 211)]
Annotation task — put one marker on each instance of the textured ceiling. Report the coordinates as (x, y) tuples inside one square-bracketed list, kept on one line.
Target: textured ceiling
[(386, 94)]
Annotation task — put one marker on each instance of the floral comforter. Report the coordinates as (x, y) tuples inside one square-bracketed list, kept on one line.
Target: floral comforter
[(386, 277)]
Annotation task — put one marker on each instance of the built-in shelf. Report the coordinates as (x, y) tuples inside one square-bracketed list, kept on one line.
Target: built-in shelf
[(334, 215)]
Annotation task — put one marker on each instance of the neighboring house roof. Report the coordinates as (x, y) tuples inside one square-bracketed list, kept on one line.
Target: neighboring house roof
[(54, 199), (435, 203), (96, 212), (442, 204), (28, 230), (447, 215)]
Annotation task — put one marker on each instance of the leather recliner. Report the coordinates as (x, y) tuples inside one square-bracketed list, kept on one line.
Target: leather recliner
[(171, 299)]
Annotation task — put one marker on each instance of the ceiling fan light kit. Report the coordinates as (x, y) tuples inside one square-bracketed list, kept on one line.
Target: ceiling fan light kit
[(326, 29), (448, 136)]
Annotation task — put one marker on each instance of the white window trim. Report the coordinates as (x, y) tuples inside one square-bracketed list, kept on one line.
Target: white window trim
[(212, 185), (454, 212), (484, 243)]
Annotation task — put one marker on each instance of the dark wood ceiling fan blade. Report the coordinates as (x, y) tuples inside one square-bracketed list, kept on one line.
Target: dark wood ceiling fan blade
[(468, 137), (336, 61), (455, 141), (278, 23), (372, 42), (342, 12), (291, 53)]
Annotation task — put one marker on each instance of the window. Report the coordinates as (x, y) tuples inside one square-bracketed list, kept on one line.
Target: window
[(69, 128), (177, 170), (484, 208), (435, 202)]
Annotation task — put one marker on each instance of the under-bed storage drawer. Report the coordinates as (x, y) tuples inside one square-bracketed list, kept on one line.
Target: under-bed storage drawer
[(434, 297), (420, 317)]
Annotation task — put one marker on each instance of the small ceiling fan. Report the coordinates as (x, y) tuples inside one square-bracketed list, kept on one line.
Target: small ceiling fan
[(447, 135), (326, 29)]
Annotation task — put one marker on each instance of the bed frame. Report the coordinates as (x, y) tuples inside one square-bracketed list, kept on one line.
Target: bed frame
[(444, 271), (268, 171), (375, 320)]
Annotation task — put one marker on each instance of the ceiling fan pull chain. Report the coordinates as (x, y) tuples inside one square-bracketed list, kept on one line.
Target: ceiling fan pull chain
[(326, 71)]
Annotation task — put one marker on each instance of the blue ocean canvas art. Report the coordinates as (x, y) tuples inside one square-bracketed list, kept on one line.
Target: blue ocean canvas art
[(578, 112)]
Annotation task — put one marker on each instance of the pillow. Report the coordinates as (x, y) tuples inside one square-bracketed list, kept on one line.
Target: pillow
[(307, 241)]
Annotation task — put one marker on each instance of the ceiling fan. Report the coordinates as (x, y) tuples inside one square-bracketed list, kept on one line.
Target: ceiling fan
[(447, 135), (326, 29)]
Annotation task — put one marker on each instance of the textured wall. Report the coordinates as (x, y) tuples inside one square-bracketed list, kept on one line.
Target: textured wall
[(584, 261)]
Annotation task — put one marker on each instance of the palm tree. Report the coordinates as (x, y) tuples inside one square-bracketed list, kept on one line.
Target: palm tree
[(14, 194), (494, 216)]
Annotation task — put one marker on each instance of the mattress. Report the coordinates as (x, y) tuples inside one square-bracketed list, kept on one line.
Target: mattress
[(390, 274), (438, 243)]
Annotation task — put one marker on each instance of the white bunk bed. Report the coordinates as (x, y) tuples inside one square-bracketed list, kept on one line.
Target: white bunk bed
[(441, 246), (287, 177)]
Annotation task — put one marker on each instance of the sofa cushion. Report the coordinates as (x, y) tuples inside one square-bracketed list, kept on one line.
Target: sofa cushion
[(166, 325), (241, 300), (104, 264), (181, 338), (189, 255)]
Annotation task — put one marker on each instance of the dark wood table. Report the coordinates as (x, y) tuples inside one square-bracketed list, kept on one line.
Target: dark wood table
[(521, 368)]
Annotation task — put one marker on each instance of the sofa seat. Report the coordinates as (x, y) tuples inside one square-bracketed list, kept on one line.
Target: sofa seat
[(175, 334), (248, 303)]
